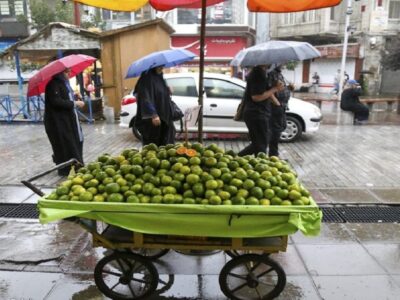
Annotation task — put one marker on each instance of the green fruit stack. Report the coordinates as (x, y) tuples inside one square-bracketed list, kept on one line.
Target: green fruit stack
[(185, 174)]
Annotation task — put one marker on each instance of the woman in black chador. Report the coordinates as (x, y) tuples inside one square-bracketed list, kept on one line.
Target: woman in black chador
[(154, 113), (257, 109), (61, 121)]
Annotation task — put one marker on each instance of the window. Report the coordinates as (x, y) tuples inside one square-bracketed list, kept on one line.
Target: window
[(12, 8), (217, 88), (288, 18), (19, 7), (5, 8), (227, 12), (332, 14), (394, 9), (121, 16), (184, 86), (143, 14), (308, 16)]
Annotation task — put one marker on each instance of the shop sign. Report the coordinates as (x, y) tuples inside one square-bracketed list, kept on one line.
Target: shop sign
[(215, 46)]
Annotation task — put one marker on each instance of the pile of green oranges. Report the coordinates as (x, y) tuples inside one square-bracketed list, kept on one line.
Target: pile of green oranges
[(184, 174)]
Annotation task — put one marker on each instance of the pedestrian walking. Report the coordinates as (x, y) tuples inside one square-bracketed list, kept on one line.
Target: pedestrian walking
[(61, 121), (277, 121), (257, 109), (350, 101), (315, 82), (154, 119)]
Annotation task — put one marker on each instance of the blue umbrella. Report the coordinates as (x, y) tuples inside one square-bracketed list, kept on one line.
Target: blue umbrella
[(165, 58)]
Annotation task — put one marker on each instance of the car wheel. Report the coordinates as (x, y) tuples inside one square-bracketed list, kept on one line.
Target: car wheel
[(293, 130), (135, 131)]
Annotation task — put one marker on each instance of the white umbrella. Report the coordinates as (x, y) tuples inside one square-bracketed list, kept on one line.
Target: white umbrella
[(274, 52)]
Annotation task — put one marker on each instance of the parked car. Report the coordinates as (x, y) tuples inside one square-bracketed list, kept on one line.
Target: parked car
[(221, 99)]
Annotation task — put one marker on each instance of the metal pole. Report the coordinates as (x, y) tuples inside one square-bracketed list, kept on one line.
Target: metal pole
[(349, 11), (201, 71), (20, 85)]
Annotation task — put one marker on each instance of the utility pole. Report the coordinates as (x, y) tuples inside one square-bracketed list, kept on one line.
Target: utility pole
[(349, 12), (262, 28)]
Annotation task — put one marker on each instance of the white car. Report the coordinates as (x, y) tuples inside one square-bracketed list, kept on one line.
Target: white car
[(220, 101)]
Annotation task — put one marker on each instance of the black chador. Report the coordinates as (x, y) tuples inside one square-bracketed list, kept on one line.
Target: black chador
[(61, 123), (154, 98)]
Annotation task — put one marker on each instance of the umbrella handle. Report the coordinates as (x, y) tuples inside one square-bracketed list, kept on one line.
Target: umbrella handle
[(28, 183)]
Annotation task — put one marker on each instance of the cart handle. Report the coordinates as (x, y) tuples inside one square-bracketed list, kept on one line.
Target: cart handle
[(37, 190)]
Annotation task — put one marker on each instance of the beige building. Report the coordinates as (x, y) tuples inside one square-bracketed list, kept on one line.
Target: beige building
[(373, 23)]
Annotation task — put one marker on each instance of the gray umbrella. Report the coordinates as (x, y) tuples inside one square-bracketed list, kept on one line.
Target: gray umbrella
[(274, 52)]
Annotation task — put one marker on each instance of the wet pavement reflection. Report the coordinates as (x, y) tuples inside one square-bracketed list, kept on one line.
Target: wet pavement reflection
[(347, 261)]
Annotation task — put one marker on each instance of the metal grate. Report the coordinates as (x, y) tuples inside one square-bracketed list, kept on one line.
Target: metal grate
[(329, 215), (339, 213), (21, 211), (6, 208), (370, 214)]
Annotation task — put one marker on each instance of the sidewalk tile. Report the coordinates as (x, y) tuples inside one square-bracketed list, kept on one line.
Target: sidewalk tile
[(298, 288), (349, 196), (338, 260), (14, 194), (357, 287), (376, 233), (331, 233), (387, 255), (388, 195), (26, 285), (290, 261)]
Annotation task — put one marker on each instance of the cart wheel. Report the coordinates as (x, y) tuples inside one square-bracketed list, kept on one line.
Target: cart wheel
[(123, 276), (149, 253), (165, 285), (252, 276)]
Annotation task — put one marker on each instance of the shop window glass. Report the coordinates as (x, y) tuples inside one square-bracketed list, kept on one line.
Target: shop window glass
[(185, 86), (216, 88)]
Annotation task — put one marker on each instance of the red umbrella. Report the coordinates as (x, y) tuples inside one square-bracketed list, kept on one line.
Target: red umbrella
[(76, 62)]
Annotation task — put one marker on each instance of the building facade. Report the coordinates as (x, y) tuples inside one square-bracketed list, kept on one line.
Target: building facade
[(12, 26), (230, 27), (373, 23)]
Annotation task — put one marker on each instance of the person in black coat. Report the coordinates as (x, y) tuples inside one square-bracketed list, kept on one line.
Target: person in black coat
[(277, 121), (257, 109), (154, 119), (350, 101), (61, 121)]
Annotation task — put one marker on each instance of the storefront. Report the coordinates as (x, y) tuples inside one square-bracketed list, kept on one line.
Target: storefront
[(219, 50)]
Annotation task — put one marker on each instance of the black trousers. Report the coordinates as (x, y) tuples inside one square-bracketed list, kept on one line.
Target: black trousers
[(258, 132), (277, 124), (361, 111), (159, 135)]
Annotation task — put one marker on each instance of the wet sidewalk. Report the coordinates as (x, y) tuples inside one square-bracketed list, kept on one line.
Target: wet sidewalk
[(339, 164)]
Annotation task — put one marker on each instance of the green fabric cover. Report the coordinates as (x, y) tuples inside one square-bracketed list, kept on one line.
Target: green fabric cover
[(192, 220)]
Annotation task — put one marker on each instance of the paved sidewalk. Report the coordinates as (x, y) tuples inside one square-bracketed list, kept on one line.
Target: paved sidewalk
[(339, 164)]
